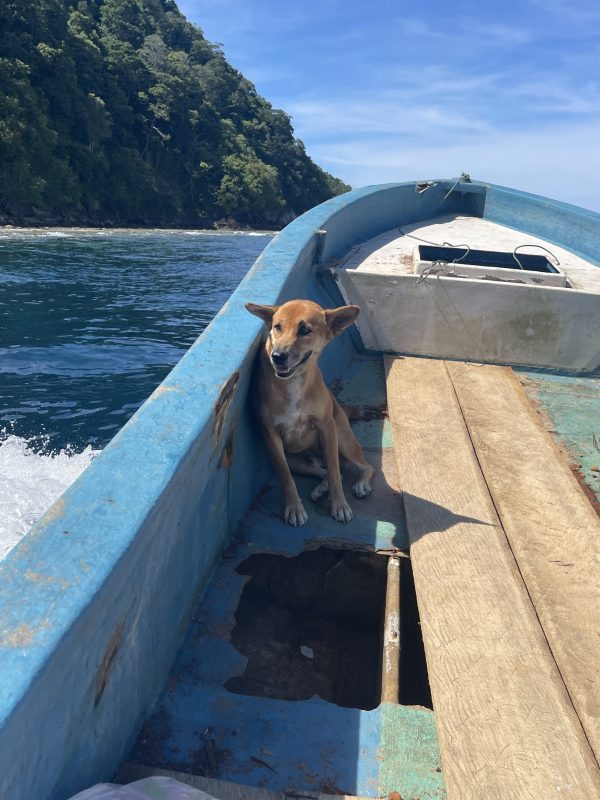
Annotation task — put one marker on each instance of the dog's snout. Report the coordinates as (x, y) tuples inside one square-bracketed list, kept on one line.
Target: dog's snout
[(279, 357)]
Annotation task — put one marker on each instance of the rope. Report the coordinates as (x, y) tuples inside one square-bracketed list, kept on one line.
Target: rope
[(541, 247)]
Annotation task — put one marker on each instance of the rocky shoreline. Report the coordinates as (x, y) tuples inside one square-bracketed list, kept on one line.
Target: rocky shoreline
[(42, 220), (25, 229)]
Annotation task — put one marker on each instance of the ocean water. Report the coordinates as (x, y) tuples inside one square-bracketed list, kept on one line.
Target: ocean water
[(90, 323)]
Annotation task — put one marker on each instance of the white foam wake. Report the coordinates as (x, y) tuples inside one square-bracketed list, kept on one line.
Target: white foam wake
[(30, 481)]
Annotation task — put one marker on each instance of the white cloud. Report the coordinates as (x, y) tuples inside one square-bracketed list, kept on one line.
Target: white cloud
[(577, 11), (559, 162), (414, 26), (466, 30), (556, 97), (391, 113), (495, 33)]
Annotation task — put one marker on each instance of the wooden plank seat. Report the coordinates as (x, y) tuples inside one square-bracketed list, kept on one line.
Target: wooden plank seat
[(552, 528), (506, 722)]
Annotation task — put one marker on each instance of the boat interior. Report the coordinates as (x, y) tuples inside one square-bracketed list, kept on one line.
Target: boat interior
[(308, 664), (444, 642)]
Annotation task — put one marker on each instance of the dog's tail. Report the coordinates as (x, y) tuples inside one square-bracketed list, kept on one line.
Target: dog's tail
[(355, 413)]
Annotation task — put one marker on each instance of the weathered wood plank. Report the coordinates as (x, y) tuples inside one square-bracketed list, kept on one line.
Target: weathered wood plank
[(552, 529), (506, 724)]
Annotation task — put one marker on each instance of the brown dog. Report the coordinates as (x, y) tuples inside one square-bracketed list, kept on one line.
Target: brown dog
[(297, 411)]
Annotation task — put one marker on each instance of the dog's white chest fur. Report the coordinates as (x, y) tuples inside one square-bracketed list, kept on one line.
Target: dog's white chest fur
[(294, 424)]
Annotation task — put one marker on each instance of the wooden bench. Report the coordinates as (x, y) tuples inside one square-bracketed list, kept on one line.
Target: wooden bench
[(493, 516)]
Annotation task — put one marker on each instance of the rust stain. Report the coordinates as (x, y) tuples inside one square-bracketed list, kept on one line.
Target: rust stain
[(223, 405), (227, 454), (108, 661), (588, 492)]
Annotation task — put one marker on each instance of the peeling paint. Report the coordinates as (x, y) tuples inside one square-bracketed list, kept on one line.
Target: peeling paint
[(55, 511), (48, 580), (160, 390), (22, 636)]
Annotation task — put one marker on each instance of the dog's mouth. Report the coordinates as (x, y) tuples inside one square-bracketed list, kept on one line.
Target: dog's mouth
[(287, 372)]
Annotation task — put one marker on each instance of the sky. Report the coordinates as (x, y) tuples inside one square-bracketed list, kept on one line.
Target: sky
[(385, 91)]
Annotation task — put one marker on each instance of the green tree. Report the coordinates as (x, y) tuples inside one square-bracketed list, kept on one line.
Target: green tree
[(121, 111), (249, 188)]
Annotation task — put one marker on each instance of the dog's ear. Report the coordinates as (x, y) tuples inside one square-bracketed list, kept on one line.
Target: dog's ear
[(264, 312), (338, 319)]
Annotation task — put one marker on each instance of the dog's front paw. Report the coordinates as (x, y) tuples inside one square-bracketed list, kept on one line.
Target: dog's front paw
[(362, 488), (341, 511), (294, 514)]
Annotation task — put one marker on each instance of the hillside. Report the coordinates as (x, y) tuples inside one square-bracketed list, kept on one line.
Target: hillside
[(120, 112)]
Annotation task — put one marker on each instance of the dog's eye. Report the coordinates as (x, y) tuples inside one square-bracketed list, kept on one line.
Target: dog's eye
[(303, 330), (277, 328)]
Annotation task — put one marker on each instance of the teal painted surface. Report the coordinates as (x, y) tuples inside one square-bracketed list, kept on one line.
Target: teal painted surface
[(95, 601), (408, 748), (374, 433), (572, 406)]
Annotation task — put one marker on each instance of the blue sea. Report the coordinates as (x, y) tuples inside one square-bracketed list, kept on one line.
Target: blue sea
[(90, 323)]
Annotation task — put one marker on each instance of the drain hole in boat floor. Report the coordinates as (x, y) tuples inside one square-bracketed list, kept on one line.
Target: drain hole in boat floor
[(313, 625)]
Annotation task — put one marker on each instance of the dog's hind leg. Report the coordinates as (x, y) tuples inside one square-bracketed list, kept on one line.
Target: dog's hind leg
[(304, 466), (312, 466), (351, 450)]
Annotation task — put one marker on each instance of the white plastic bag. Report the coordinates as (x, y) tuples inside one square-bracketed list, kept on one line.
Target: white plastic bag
[(155, 788)]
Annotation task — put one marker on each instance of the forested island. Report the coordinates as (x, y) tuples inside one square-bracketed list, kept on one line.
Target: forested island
[(120, 112)]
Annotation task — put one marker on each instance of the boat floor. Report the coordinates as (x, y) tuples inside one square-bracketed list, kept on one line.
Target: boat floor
[(201, 727), (311, 745)]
